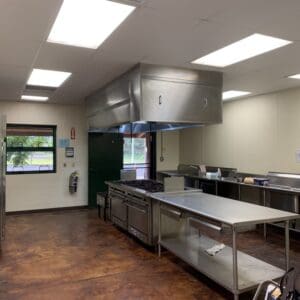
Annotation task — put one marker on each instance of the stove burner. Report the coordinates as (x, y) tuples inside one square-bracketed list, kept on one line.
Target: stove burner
[(147, 185)]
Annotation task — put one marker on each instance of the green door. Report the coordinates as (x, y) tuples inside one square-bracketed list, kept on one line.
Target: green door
[(105, 162)]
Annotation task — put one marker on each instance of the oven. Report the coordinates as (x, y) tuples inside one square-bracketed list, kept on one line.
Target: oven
[(133, 209), (139, 217), (118, 206)]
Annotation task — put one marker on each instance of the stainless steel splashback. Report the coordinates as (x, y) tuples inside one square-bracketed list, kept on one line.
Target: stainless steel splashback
[(152, 98), (284, 179), (188, 169)]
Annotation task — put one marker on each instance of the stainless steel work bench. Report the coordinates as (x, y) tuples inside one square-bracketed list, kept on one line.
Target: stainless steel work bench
[(236, 271)]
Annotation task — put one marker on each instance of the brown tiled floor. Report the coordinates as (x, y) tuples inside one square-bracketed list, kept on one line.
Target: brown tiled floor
[(74, 255)]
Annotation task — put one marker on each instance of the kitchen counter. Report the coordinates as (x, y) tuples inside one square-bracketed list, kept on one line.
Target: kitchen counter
[(225, 210), (233, 181), (235, 270)]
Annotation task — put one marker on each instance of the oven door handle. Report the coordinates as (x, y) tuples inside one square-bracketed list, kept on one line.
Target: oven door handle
[(135, 207)]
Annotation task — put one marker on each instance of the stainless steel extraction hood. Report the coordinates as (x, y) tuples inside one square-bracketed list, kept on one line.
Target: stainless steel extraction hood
[(153, 98)]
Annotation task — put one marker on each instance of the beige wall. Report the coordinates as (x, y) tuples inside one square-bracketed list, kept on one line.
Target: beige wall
[(258, 134), (39, 191), (169, 149)]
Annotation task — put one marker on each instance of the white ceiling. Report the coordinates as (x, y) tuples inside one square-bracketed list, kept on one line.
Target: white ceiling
[(169, 32)]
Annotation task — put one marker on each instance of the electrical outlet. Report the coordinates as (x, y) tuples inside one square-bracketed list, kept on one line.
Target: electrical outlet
[(298, 156)]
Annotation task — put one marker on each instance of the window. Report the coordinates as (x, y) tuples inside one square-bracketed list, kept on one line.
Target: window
[(137, 154), (30, 149)]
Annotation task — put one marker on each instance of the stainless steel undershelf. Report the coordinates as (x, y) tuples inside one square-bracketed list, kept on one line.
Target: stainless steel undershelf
[(251, 271)]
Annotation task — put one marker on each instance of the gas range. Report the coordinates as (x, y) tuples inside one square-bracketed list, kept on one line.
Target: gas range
[(146, 185)]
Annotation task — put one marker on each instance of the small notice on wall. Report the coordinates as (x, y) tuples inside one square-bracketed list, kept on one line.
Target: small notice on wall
[(69, 152), (63, 143), (298, 156)]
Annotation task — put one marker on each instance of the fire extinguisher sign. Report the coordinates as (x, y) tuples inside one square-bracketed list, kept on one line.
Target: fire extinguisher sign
[(73, 134)]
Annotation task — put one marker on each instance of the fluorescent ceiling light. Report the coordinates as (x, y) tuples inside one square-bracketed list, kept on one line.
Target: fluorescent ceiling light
[(248, 47), (87, 23), (234, 94), (296, 76), (34, 98), (47, 78)]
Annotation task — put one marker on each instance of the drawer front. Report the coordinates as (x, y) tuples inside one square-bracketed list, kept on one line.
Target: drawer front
[(118, 210), (138, 217)]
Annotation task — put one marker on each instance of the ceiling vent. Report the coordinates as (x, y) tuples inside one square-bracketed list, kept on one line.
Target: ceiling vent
[(38, 91)]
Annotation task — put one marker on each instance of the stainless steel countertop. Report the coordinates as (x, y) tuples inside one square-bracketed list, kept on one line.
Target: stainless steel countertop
[(231, 212), (233, 181), (118, 184)]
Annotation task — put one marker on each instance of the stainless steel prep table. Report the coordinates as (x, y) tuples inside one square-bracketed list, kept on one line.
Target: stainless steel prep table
[(234, 270), (240, 188)]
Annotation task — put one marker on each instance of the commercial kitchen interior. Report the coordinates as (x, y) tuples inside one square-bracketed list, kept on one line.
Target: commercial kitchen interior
[(198, 100)]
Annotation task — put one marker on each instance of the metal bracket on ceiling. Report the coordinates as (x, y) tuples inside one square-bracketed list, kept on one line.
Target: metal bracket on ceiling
[(136, 3)]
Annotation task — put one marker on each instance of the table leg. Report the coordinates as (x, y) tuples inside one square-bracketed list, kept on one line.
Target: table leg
[(287, 245), (235, 264), (265, 203), (159, 230)]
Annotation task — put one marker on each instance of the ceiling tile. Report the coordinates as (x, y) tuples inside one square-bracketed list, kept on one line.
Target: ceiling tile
[(61, 57), (27, 20), (11, 81)]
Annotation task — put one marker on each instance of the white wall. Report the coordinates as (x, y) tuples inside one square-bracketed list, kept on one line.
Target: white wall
[(258, 134), (169, 150), (40, 191)]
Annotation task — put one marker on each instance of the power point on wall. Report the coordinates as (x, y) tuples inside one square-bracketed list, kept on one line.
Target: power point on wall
[(298, 156)]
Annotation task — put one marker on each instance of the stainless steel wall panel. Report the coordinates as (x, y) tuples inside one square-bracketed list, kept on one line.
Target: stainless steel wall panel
[(167, 97)]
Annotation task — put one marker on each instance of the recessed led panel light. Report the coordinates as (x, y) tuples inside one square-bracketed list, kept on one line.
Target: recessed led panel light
[(246, 48), (34, 98), (47, 78), (87, 23), (296, 76), (234, 94)]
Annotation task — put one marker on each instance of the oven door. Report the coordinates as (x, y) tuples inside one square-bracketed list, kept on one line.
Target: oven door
[(118, 208), (139, 218)]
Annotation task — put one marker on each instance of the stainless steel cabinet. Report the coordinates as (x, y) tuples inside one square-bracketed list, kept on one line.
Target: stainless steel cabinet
[(133, 213), (118, 208), (138, 218)]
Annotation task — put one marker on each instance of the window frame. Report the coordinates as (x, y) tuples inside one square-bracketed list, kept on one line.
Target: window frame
[(148, 165), (33, 149)]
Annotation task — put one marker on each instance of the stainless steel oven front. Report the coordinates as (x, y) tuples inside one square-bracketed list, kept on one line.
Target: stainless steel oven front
[(139, 217), (118, 208)]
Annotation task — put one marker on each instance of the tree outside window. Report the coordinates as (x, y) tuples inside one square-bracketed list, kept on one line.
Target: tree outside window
[(30, 149)]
